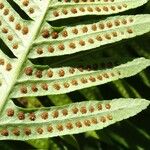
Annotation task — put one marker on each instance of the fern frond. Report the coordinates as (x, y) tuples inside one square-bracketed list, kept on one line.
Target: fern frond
[(27, 33), (39, 87), (63, 10), (74, 118), (85, 37)]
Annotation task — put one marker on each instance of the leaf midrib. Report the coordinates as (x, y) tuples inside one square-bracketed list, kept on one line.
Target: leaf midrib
[(23, 57)]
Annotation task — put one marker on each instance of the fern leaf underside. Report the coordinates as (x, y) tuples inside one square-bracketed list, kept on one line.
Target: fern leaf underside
[(35, 38)]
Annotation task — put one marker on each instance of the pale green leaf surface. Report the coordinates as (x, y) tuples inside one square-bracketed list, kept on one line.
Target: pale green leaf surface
[(22, 37), (32, 8), (108, 31), (12, 29), (111, 112), (4, 62), (80, 81), (90, 64), (20, 50), (71, 9)]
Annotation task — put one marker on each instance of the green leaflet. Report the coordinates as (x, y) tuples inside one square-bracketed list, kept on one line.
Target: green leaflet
[(78, 66), (51, 87), (32, 8), (68, 119), (5, 64), (6, 71), (86, 37), (15, 31), (71, 9)]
